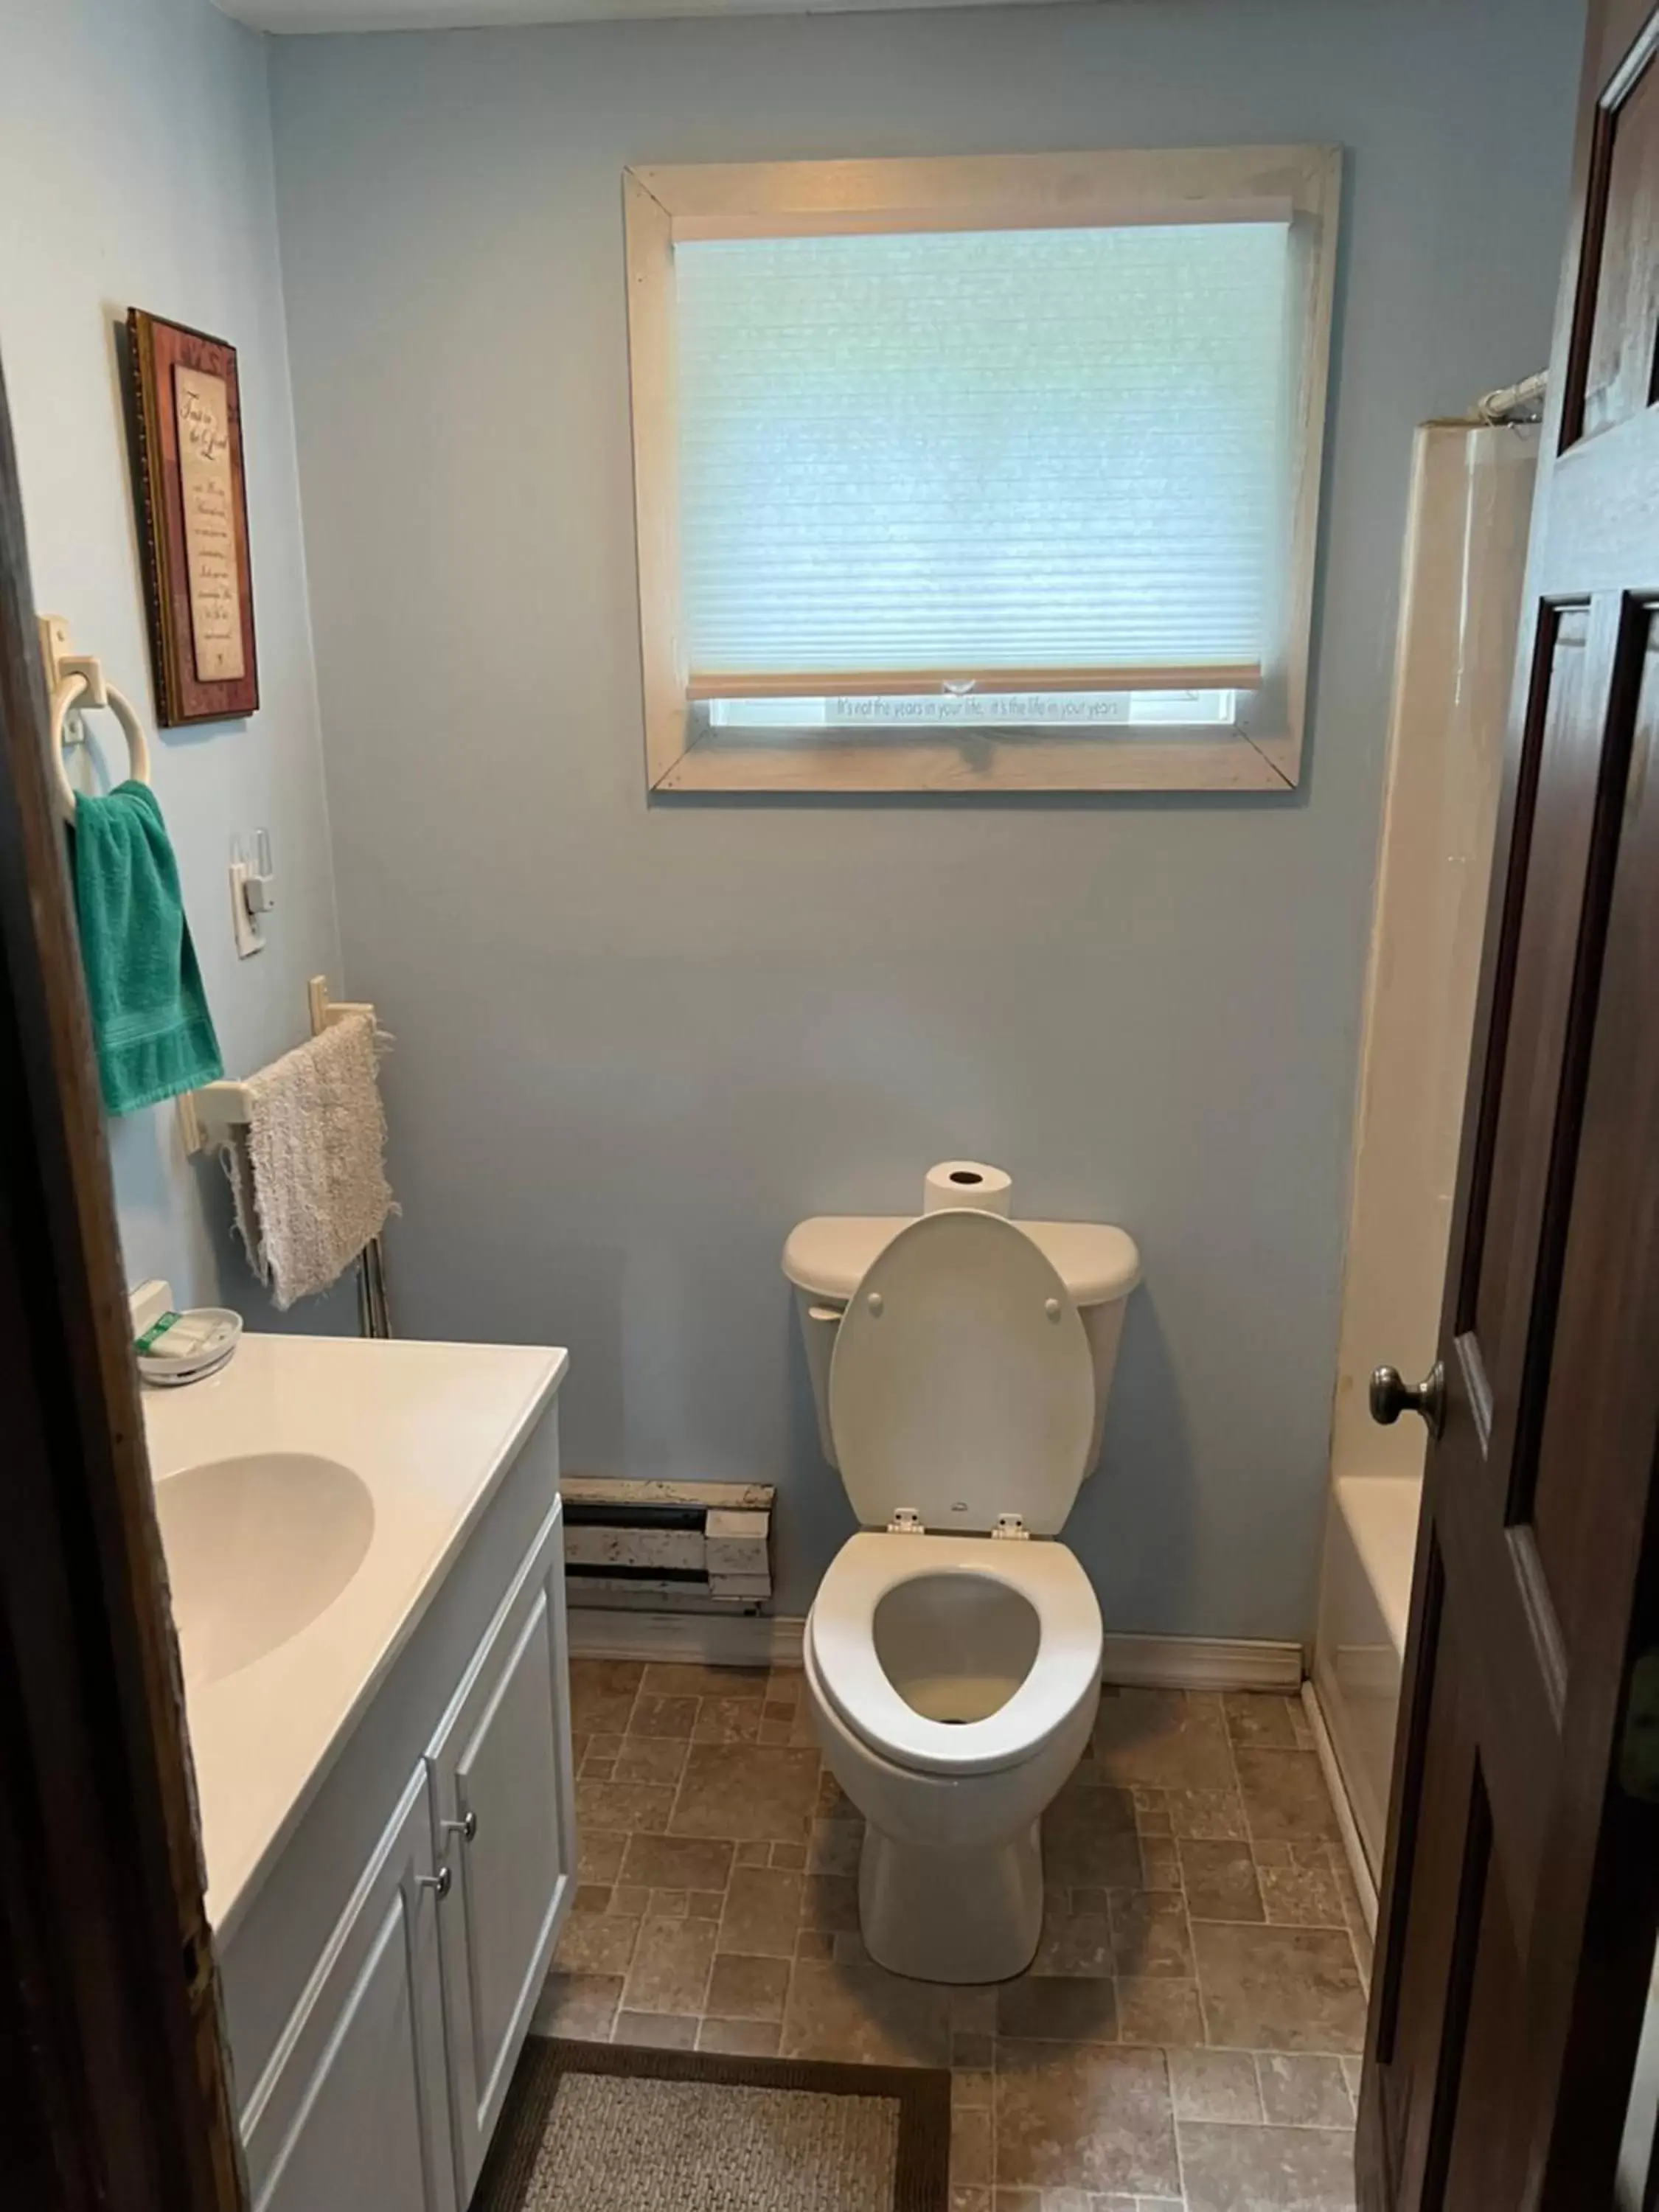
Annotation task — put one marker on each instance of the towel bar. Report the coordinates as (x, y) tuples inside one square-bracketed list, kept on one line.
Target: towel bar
[(207, 1116)]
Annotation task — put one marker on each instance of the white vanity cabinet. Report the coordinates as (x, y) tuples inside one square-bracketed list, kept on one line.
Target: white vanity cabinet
[(500, 1770), (384, 2084), (354, 2110)]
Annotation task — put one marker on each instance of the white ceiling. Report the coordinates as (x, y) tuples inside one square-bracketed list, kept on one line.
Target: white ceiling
[(455, 14)]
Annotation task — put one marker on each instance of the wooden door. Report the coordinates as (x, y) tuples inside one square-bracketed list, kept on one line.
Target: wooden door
[(353, 2114), (504, 1801), (114, 2094), (1523, 1879)]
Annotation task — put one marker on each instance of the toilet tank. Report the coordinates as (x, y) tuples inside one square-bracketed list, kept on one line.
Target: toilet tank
[(826, 1259)]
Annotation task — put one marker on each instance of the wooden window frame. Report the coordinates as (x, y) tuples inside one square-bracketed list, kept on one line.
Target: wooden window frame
[(779, 199)]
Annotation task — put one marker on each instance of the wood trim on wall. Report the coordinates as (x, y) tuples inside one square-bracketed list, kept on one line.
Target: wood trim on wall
[(986, 192), (114, 2043), (656, 470), (1300, 184), (732, 761)]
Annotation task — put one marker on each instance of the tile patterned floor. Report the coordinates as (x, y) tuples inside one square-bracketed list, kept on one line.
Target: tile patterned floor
[(1187, 2037)]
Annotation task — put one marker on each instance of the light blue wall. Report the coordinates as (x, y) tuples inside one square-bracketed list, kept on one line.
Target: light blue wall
[(636, 1042), (135, 170)]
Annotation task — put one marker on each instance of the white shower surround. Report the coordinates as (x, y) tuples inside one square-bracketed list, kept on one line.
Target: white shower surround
[(1466, 541)]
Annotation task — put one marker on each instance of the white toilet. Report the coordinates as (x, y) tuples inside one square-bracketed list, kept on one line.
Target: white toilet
[(952, 1653)]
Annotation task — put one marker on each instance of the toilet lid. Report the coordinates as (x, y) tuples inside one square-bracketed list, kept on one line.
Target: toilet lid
[(962, 1385)]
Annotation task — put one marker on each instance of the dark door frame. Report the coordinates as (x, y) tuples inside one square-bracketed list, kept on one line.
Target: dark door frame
[(114, 2080)]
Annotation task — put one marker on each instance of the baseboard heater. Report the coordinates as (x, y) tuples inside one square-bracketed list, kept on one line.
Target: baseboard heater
[(668, 1546)]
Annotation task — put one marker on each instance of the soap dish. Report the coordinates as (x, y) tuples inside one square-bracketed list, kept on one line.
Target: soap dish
[(187, 1347)]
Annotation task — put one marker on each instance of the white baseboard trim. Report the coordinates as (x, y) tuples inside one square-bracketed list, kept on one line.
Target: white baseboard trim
[(1200, 1662), (1161, 1662), (1359, 1865)]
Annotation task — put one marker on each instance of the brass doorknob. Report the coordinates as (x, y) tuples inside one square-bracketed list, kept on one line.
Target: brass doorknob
[(1391, 1397)]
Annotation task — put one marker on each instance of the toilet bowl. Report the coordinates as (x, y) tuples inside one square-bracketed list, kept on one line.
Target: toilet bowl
[(952, 1652), (953, 1682)]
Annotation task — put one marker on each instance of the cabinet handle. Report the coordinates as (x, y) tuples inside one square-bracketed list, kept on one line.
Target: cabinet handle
[(467, 1826), (439, 1881)]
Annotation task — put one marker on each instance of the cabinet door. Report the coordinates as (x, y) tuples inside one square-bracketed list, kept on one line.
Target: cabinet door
[(351, 2115), (503, 1798)]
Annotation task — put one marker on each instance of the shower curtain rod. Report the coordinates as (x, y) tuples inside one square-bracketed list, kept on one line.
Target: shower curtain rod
[(1515, 403)]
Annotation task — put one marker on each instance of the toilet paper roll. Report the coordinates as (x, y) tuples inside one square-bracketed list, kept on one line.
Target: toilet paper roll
[(967, 1182)]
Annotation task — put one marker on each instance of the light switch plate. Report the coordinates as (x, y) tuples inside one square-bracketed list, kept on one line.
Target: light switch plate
[(245, 926)]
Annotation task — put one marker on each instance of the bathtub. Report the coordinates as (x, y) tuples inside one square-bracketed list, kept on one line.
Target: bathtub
[(1364, 1599)]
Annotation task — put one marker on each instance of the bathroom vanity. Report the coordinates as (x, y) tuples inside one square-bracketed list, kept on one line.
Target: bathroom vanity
[(365, 1547)]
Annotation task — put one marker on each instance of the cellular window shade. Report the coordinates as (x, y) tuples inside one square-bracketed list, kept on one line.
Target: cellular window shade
[(1051, 449)]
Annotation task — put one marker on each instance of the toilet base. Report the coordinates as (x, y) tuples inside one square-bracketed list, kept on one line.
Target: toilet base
[(942, 1916)]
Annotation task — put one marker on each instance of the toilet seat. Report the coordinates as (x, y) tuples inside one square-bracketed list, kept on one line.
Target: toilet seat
[(840, 1631)]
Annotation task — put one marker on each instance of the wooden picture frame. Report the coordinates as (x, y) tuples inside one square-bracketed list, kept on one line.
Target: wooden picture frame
[(1299, 185), (192, 497)]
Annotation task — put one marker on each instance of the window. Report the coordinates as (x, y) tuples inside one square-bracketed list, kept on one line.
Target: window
[(988, 474)]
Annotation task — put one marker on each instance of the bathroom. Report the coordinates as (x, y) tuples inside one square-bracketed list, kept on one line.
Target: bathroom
[(641, 1026)]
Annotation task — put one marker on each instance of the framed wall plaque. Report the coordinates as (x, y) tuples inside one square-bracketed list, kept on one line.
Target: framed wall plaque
[(193, 522)]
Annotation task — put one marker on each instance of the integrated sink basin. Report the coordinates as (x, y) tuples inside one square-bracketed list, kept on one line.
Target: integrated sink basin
[(312, 1496), (257, 1548)]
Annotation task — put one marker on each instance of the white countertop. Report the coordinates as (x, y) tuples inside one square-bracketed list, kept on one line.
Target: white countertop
[(429, 1429)]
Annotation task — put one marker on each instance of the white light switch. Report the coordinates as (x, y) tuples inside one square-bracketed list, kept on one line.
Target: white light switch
[(252, 893)]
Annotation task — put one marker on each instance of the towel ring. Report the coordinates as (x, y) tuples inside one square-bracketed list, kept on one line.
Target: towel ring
[(67, 695)]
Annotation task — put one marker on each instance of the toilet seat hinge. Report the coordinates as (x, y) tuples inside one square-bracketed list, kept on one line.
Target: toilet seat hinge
[(1012, 1528), (906, 1522)]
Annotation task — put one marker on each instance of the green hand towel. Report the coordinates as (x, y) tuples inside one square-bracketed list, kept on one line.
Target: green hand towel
[(149, 1014)]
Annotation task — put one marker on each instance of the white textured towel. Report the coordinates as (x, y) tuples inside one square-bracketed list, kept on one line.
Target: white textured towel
[(309, 1172)]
